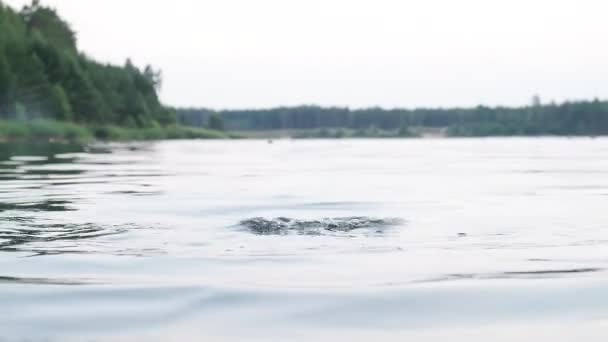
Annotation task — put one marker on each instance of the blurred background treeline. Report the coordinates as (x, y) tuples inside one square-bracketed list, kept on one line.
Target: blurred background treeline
[(568, 118)]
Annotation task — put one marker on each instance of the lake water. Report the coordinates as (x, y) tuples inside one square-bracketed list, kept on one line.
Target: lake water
[(478, 240)]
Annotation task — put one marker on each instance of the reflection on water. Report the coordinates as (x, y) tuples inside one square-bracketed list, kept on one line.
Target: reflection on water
[(47, 178), (493, 231), (45, 205), (40, 238)]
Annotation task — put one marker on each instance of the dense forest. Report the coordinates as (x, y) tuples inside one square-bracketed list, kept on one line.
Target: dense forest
[(43, 75), (569, 118)]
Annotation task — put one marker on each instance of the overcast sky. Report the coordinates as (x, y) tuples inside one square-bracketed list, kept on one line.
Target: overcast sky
[(358, 53)]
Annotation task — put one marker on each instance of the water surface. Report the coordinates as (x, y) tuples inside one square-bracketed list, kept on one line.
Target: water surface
[(469, 238)]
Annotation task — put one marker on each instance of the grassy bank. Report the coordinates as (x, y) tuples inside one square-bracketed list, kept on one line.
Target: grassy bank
[(48, 130)]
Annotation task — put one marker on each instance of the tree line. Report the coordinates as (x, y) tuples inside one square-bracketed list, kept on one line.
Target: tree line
[(43, 75), (568, 118)]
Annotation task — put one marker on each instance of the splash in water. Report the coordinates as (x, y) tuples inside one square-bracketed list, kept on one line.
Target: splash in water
[(282, 225)]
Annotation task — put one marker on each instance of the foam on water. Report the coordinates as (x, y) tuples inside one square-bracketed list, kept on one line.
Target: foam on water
[(284, 225)]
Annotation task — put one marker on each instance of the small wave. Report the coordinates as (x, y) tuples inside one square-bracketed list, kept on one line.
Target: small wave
[(16, 237), (513, 275), (45, 281), (283, 225), (23, 236), (46, 205)]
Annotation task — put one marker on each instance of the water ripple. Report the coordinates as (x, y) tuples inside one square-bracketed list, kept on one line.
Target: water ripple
[(550, 273), (18, 238), (285, 225)]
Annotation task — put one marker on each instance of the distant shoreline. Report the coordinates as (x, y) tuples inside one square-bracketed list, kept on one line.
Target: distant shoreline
[(49, 131), (414, 133), (577, 118), (42, 130)]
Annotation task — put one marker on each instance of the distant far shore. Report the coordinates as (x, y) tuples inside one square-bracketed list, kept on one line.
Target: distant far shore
[(50, 131), (577, 118), (414, 132)]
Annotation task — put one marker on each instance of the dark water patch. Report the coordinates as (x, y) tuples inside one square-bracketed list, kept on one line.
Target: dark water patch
[(47, 205), (64, 183), (9, 178), (549, 272), (17, 219), (23, 234), (112, 148), (135, 193), (285, 225), (109, 148), (512, 275), (27, 237), (54, 172), (45, 281)]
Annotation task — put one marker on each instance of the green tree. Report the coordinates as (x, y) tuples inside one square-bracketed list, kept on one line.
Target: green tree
[(215, 122), (41, 68), (32, 87), (20, 112), (60, 106), (45, 21), (404, 131), (6, 85)]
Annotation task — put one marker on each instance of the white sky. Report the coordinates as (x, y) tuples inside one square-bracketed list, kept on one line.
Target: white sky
[(358, 53)]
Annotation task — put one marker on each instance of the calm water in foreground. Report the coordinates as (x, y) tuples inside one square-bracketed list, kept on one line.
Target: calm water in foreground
[(499, 239)]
